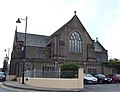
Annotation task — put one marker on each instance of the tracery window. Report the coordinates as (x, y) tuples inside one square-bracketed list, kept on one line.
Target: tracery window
[(40, 54), (76, 43)]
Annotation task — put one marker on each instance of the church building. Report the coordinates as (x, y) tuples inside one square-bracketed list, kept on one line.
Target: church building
[(69, 44)]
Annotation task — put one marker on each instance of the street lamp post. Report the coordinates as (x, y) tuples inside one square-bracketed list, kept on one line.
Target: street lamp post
[(84, 67), (55, 68), (18, 21), (5, 63)]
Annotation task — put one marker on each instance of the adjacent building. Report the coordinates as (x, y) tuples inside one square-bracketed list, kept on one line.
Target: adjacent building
[(70, 43)]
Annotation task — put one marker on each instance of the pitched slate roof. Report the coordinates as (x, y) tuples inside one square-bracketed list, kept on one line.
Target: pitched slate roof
[(43, 41), (33, 39), (99, 47)]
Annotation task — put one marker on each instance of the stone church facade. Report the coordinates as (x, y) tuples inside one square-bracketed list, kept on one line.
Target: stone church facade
[(70, 43)]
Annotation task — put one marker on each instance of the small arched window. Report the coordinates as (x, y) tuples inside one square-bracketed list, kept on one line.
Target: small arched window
[(98, 58), (40, 54), (76, 43)]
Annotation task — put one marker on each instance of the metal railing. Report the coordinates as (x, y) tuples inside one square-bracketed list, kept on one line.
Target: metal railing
[(51, 74)]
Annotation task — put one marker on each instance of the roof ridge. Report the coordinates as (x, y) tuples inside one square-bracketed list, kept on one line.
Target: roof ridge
[(33, 34)]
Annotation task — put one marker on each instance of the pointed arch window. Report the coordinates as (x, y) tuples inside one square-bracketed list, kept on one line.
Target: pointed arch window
[(75, 43), (40, 54)]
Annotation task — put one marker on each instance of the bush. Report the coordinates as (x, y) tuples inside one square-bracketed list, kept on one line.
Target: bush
[(69, 70)]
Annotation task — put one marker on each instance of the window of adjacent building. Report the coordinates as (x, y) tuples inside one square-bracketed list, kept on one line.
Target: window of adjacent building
[(92, 70), (47, 68), (114, 70), (75, 43), (98, 58), (40, 54), (48, 71)]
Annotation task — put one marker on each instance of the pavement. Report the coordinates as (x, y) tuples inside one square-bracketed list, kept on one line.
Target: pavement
[(18, 85)]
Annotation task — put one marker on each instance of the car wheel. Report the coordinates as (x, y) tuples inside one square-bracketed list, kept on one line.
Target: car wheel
[(113, 81), (86, 81), (100, 81)]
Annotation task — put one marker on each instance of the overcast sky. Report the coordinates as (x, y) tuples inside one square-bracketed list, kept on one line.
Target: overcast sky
[(101, 18)]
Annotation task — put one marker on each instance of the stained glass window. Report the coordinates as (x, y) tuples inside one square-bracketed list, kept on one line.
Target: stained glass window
[(75, 43)]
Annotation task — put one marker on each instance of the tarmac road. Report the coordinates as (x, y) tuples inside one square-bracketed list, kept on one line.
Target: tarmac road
[(102, 88), (18, 87), (8, 89)]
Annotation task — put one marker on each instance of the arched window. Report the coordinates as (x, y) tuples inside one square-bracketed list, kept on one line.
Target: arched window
[(40, 54), (75, 43), (98, 58)]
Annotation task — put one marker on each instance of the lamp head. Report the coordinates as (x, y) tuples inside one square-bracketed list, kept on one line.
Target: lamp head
[(18, 21)]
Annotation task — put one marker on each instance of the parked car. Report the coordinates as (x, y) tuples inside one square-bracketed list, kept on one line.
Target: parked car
[(88, 78), (2, 76), (115, 77), (102, 78)]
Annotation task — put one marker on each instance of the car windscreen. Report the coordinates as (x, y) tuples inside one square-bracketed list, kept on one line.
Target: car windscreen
[(1, 73), (88, 75), (101, 75), (118, 75)]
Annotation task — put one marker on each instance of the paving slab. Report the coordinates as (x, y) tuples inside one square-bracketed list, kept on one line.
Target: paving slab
[(18, 85)]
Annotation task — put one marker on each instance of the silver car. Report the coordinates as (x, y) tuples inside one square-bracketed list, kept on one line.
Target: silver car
[(2, 76), (88, 78)]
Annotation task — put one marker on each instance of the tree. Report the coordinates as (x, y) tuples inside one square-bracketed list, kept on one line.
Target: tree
[(69, 70), (113, 63)]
